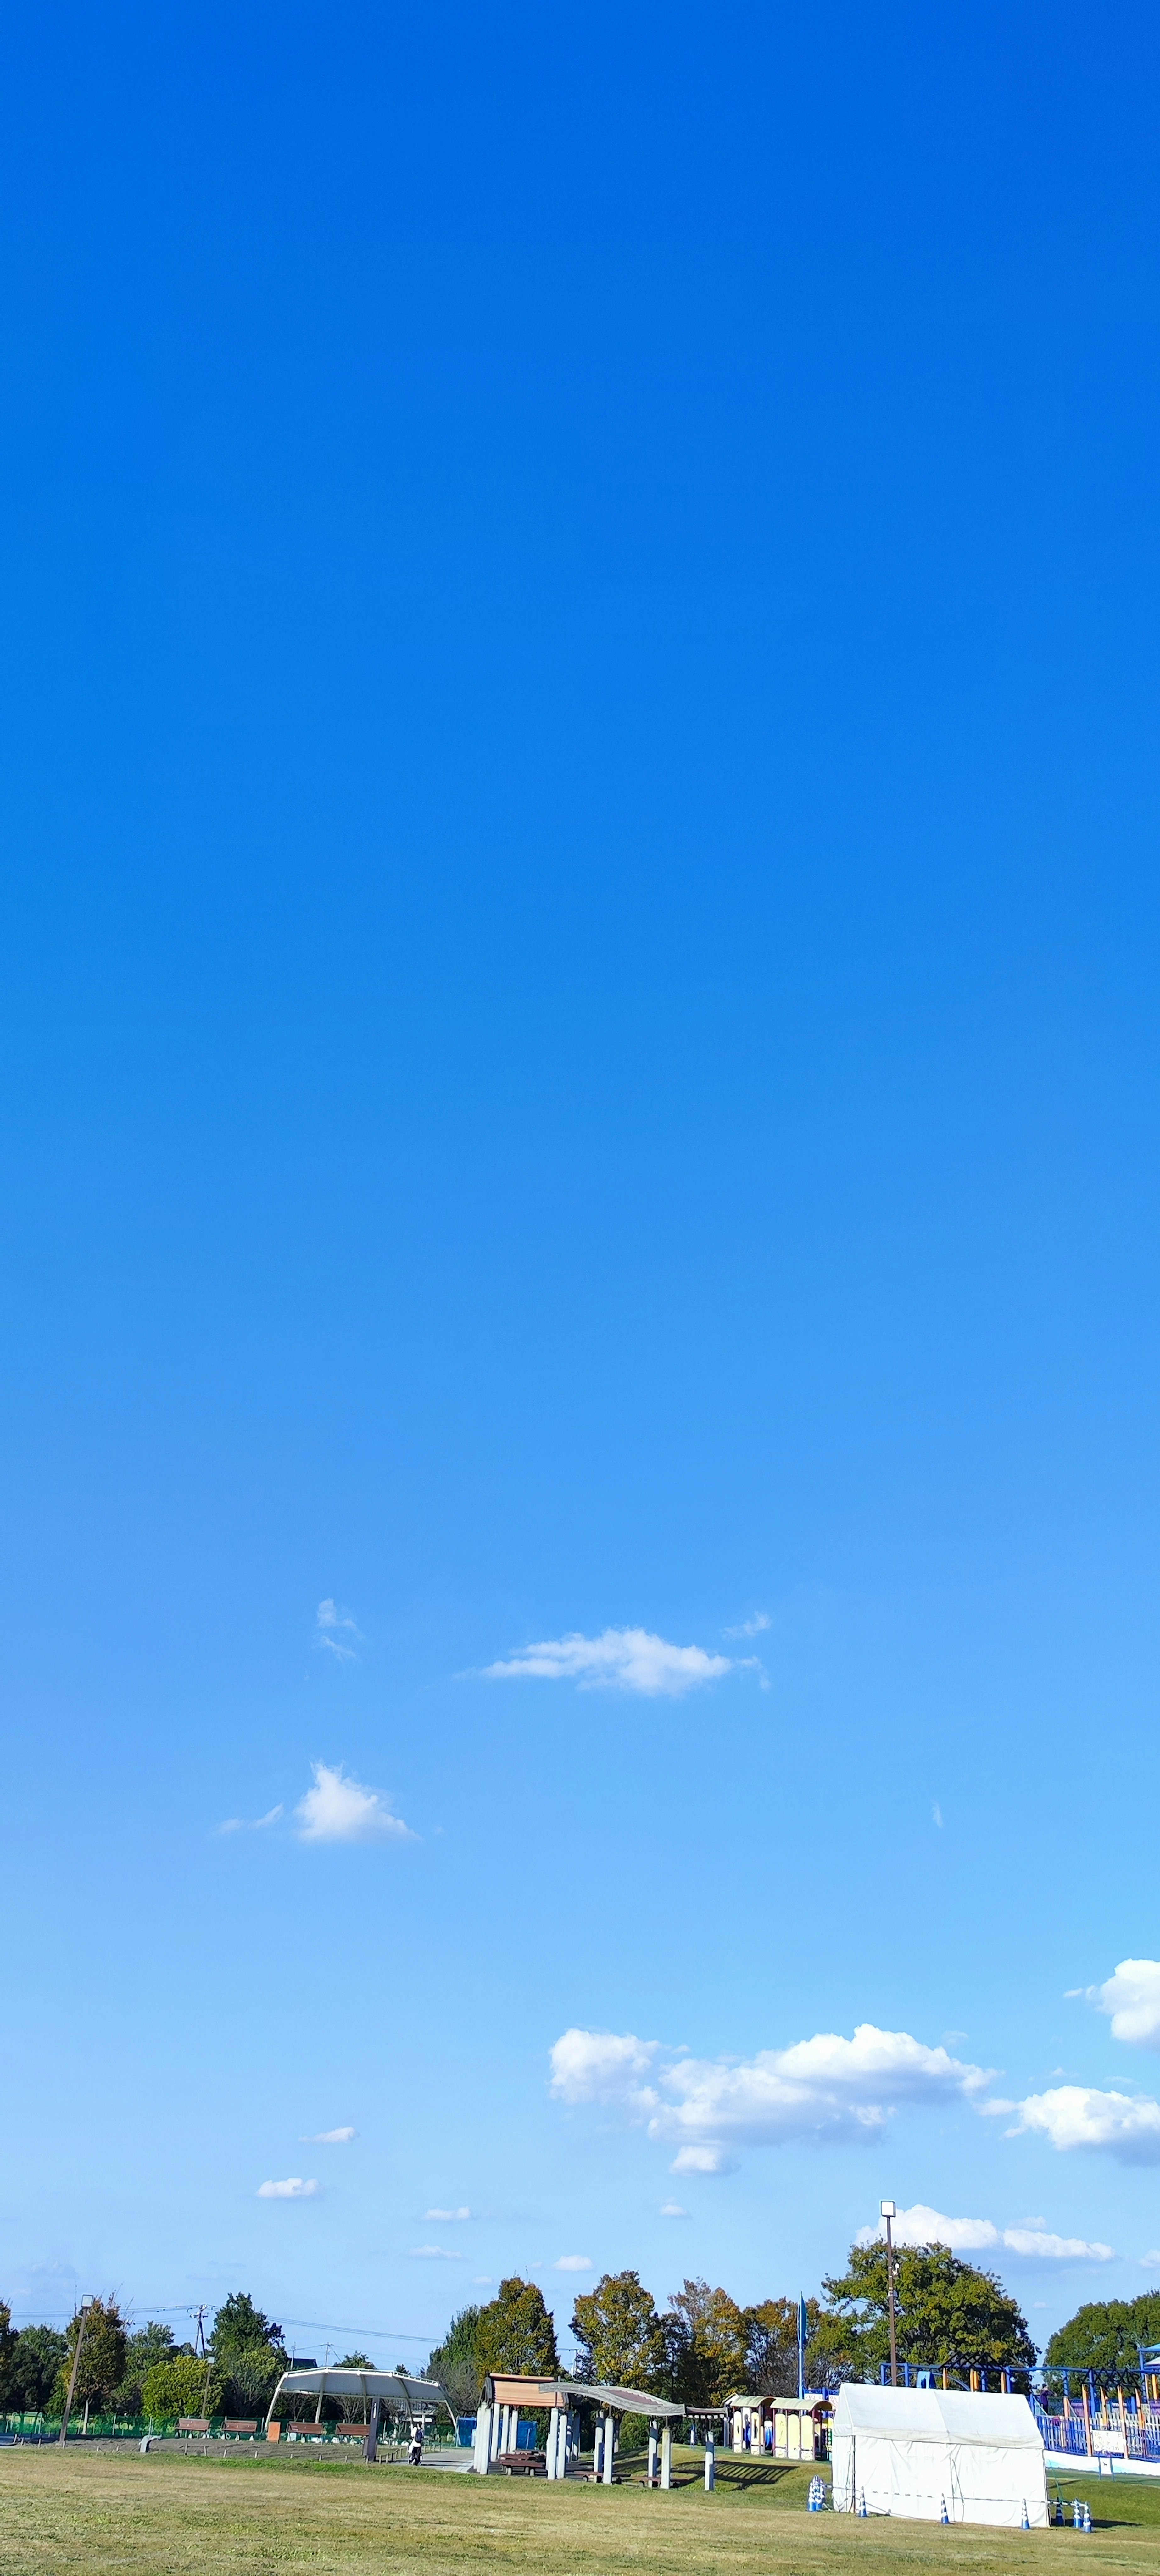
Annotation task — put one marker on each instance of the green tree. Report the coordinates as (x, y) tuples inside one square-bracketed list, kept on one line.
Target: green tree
[(31, 2371), (771, 2352), (8, 2342), (250, 2356), (103, 2345), (149, 2345), (1105, 2334), (948, 2312), (619, 2337), (458, 2362), (706, 2339), (516, 2331), (183, 2385)]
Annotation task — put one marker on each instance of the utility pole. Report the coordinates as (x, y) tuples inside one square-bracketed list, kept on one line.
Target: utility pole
[(83, 2319), (890, 2212)]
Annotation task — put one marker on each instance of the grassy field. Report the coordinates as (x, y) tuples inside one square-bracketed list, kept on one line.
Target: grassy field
[(247, 2516)]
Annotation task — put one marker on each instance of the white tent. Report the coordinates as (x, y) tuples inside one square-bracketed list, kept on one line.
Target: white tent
[(910, 2451)]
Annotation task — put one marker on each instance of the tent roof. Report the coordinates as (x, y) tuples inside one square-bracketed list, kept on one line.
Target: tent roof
[(936, 2415), (391, 2384), (623, 2401)]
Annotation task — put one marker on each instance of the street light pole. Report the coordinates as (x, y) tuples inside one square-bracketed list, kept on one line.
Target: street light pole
[(83, 2314), (890, 2212)]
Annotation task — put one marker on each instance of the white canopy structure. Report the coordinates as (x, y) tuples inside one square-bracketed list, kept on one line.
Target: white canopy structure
[(417, 2399), (921, 2452)]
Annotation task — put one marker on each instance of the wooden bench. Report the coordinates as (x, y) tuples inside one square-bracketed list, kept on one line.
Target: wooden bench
[(522, 2464), (240, 2424), (193, 2423)]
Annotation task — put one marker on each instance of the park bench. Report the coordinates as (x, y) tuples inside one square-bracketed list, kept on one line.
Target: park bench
[(522, 2464), (193, 2423), (240, 2424)]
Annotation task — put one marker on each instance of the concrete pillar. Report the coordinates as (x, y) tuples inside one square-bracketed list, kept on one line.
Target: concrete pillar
[(710, 2459), (513, 2442), (667, 2452), (554, 2464), (496, 2431), (597, 2445), (481, 2447), (652, 2455), (609, 2448)]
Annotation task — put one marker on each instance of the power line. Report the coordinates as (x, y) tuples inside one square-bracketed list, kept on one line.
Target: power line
[(317, 2325)]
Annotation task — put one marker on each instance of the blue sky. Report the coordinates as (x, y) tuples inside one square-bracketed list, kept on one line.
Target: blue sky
[(579, 1056)]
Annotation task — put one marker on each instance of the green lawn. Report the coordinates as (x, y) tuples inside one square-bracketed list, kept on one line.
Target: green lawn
[(256, 2516)]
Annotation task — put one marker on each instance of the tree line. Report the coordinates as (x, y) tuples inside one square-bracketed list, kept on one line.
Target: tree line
[(705, 2345), (144, 2372), (702, 2347)]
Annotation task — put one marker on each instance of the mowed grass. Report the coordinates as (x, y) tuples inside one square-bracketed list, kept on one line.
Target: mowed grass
[(168, 2516)]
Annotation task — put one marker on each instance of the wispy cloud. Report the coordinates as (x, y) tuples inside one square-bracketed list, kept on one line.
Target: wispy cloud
[(332, 1625), (1132, 1998), (339, 1810), (673, 2209), (925, 2226), (330, 2138), (826, 2088), (572, 2263), (1124, 2125), (250, 1824), (937, 1813), (294, 2188), (628, 1659), (754, 1627), (447, 2217), (437, 2254)]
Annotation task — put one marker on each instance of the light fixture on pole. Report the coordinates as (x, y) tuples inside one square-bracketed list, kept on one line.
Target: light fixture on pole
[(890, 2212), (83, 2315)]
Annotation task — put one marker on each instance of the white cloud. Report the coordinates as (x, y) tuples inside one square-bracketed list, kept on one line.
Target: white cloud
[(628, 1659), (330, 2138), (1132, 1998), (754, 1627), (826, 2087), (937, 1813), (438, 2253), (925, 2226), (1077, 2115), (673, 2209), (339, 1810), (599, 2065), (292, 2189), (1151, 2260), (250, 1824), (572, 2263), (1042, 2246), (329, 1621), (447, 2217)]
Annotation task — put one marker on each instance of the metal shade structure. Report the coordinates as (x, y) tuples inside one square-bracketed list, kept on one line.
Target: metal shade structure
[(413, 2398)]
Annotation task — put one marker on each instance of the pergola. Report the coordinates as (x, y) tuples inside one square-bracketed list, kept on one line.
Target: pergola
[(505, 2395), (417, 2399)]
